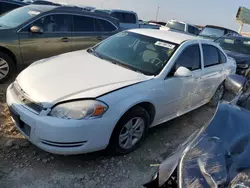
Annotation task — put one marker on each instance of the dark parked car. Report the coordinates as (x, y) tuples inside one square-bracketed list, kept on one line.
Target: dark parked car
[(8, 5), (35, 32), (45, 3), (213, 32), (239, 49)]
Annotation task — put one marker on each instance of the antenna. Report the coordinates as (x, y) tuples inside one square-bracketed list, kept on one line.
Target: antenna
[(158, 8)]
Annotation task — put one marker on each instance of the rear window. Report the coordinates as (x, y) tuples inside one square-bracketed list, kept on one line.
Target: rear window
[(212, 32), (176, 25), (124, 17)]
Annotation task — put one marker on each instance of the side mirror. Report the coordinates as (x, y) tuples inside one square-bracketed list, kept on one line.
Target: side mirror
[(36, 29), (183, 72), (235, 83)]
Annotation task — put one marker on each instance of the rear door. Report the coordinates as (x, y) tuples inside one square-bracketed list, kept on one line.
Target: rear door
[(84, 35), (88, 31), (55, 39), (214, 70)]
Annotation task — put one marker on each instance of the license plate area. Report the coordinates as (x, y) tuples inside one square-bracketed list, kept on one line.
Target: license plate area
[(19, 123)]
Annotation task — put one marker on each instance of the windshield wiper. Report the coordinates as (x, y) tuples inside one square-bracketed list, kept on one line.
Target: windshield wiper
[(130, 68)]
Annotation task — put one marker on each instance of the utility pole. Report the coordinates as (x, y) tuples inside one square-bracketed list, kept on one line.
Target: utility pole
[(158, 8), (241, 27)]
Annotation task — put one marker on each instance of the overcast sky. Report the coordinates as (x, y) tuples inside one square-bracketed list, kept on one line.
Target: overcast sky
[(216, 12)]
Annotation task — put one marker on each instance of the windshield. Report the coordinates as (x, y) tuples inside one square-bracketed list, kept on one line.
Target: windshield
[(176, 25), (138, 52), (239, 45), (212, 32), (17, 17)]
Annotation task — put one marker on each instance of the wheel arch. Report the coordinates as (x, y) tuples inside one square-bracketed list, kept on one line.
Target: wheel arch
[(147, 105), (10, 53)]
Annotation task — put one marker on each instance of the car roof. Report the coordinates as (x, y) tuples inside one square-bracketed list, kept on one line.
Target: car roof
[(41, 8), (120, 10), (70, 9), (170, 36), (14, 2), (173, 20), (236, 37), (219, 27)]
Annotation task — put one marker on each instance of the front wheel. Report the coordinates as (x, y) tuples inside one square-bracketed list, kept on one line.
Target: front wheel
[(130, 131), (217, 95)]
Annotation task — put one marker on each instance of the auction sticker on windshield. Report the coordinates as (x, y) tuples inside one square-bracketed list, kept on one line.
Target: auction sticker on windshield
[(33, 12), (165, 45)]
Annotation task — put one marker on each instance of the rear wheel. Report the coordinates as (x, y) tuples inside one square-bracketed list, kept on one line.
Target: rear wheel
[(130, 131), (6, 67), (217, 95), (248, 80)]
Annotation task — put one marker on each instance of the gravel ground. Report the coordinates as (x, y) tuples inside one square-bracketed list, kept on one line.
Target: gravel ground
[(23, 165)]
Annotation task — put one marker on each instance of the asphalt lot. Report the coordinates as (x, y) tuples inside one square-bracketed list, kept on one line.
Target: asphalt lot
[(25, 166)]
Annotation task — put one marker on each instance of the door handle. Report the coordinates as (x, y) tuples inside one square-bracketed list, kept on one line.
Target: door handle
[(65, 39), (99, 38)]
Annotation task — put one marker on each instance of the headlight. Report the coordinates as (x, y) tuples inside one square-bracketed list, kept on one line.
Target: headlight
[(243, 66), (82, 109)]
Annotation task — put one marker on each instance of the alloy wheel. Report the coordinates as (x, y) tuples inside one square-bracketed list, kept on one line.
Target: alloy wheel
[(4, 68), (131, 133)]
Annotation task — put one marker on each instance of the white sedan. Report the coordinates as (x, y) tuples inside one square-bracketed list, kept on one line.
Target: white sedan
[(109, 95)]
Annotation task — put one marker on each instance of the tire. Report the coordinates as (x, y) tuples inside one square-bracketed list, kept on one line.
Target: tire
[(7, 67), (136, 116), (217, 95), (248, 81)]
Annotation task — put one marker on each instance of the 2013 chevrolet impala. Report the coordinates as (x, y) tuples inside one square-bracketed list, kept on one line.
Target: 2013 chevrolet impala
[(109, 95)]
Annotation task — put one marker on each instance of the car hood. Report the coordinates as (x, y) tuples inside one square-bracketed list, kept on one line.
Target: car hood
[(239, 57), (74, 75)]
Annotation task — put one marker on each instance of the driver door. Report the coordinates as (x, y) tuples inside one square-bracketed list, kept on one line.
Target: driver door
[(182, 93), (55, 39)]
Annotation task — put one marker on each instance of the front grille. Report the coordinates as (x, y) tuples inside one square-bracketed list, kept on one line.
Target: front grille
[(24, 99)]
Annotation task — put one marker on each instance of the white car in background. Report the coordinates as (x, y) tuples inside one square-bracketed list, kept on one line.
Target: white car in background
[(183, 27), (109, 95)]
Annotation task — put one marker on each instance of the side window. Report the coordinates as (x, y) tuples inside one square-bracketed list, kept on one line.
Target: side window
[(124, 17), (211, 55), (129, 18), (197, 31), (5, 7), (84, 24), (191, 29), (189, 58), (53, 23), (223, 58), (117, 15), (104, 26)]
